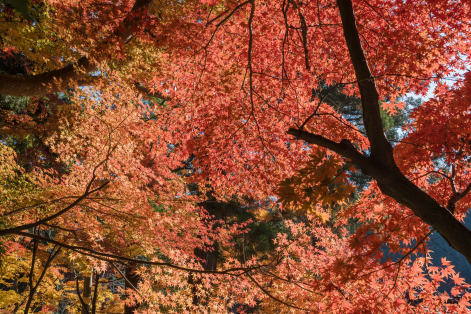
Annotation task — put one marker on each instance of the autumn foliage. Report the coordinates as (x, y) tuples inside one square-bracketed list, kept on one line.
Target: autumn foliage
[(193, 151)]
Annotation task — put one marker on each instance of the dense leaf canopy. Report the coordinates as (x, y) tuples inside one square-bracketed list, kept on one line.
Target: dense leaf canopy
[(227, 156)]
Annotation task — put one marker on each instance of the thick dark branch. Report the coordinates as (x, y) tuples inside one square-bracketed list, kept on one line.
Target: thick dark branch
[(452, 178), (146, 92), (236, 271), (344, 148), (125, 278), (32, 287), (304, 33), (49, 82), (381, 149), (132, 280), (95, 294), (84, 305), (59, 80), (456, 197), (393, 183), (52, 255)]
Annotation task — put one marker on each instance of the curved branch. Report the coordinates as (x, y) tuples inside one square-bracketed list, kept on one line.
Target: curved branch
[(381, 149), (275, 298), (60, 79), (49, 82), (84, 305), (121, 259), (392, 182), (344, 148), (59, 213), (456, 198)]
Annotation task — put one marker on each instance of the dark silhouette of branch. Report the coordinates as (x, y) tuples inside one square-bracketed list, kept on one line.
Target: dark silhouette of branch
[(79, 73), (380, 163), (34, 288), (84, 305), (95, 293), (59, 213), (275, 298), (112, 258)]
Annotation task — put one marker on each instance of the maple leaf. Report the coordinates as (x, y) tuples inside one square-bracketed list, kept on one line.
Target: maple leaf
[(457, 280), (119, 119)]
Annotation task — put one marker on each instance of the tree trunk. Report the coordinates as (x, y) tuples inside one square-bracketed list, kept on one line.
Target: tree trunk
[(87, 293), (209, 262), (380, 164), (131, 283)]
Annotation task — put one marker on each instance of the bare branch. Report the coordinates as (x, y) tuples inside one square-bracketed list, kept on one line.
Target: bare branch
[(227, 17), (320, 102), (381, 149), (112, 258), (275, 298), (84, 305), (59, 213), (125, 278), (36, 205), (32, 288)]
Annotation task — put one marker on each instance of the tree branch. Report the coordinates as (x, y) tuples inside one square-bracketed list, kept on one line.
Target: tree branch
[(121, 259), (5, 232), (393, 183), (60, 79), (48, 82), (146, 92), (275, 298), (381, 149), (84, 305), (32, 288), (36, 205), (456, 197), (125, 278), (344, 148), (95, 294)]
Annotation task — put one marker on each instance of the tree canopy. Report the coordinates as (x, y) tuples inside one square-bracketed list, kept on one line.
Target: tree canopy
[(224, 156)]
